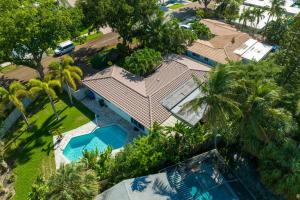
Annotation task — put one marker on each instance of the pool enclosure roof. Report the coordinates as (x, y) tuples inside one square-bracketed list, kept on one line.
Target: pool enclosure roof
[(176, 102), (205, 176)]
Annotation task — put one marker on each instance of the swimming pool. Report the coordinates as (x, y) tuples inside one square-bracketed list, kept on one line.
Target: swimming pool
[(100, 139)]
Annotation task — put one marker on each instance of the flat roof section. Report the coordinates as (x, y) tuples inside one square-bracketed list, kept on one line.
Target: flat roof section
[(176, 101), (257, 52)]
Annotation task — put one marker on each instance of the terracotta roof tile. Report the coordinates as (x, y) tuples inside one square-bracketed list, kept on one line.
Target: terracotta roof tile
[(221, 47), (141, 97)]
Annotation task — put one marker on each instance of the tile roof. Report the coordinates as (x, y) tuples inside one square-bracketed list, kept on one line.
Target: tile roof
[(141, 97), (221, 47)]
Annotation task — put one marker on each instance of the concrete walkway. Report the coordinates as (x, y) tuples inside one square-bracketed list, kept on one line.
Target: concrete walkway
[(105, 117)]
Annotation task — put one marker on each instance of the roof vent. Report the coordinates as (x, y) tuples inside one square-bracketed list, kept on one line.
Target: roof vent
[(157, 79)]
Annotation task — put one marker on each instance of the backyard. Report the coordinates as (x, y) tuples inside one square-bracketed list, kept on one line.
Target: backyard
[(31, 152)]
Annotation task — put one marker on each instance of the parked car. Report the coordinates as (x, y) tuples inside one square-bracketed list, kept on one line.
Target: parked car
[(64, 47), (185, 26)]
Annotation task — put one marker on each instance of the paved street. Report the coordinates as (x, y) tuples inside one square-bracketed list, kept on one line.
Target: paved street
[(80, 53)]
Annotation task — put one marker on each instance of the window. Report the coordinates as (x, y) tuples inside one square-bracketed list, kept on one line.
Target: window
[(206, 59), (137, 124)]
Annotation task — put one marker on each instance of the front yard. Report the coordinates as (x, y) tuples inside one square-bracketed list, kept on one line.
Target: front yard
[(31, 152)]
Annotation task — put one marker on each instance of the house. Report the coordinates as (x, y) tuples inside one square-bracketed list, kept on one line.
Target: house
[(158, 97), (228, 44), (290, 7), (255, 26), (205, 176)]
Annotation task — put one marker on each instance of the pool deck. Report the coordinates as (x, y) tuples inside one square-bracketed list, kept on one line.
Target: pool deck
[(105, 117)]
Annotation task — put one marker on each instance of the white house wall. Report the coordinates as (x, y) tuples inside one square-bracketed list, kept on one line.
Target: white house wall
[(117, 110)]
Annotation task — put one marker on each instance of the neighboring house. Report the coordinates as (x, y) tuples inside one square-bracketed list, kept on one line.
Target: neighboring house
[(290, 6), (228, 44), (205, 176), (262, 22), (157, 98)]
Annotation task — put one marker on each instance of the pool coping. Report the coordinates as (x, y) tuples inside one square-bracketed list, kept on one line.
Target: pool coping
[(60, 145)]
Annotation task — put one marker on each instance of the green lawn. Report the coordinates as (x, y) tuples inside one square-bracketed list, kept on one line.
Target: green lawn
[(8, 68), (89, 38), (32, 151), (176, 6)]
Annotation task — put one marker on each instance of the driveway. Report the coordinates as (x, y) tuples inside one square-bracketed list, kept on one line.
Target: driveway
[(80, 53)]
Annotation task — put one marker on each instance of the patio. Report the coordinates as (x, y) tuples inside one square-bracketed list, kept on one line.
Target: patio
[(103, 117)]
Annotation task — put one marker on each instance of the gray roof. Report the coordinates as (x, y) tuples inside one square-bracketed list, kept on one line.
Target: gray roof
[(152, 187), (177, 100), (205, 176)]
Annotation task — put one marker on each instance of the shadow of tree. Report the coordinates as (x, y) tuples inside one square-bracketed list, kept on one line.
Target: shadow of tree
[(165, 190), (140, 184)]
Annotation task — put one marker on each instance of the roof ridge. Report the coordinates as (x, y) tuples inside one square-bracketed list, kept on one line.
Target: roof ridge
[(225, 50)]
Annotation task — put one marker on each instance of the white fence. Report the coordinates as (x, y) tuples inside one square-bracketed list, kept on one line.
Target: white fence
[(12, 118)]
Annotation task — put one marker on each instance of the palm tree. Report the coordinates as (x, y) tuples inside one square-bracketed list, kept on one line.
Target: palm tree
[(47, 87), (259, 14), (262, 122), (73, 181), (217, 98), (276, 9), (245, 15), (67, 75), (15, 93)]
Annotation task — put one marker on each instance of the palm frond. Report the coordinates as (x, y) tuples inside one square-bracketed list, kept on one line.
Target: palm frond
[(16, 85), (3, 92), (54, 83), (17, 102), (21, 93), (53, 66), (76, 70), (52, 93), (35, 82), (34, 91)]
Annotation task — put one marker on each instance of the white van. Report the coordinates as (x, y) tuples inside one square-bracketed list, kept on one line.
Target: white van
[(64, 48)]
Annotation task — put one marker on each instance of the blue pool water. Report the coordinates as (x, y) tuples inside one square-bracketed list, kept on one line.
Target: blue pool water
[(100, 139)]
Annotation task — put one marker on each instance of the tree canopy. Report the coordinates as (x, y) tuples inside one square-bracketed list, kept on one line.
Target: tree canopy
[(28, 29), (143, 62), (142, 20), (250, 108), (202, 31)]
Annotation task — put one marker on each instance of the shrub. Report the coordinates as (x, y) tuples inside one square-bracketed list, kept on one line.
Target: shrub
[(202, 31), (105, 58), (11, 178), (143, 61)]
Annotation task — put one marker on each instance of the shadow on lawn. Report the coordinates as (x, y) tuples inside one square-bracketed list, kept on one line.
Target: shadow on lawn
[(21, 152)]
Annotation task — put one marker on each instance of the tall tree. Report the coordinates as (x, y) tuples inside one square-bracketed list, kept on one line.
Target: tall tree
[(73, 181), (46, 87), (258, 14), (288, 56), (244, 17), (228, 9), (129, 18), (217, 98), (29, 29), (204, 2), (166, 36), (15, 94), (143, 62), (67, 74), (276, 9), (95, 13), (202, 31)]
